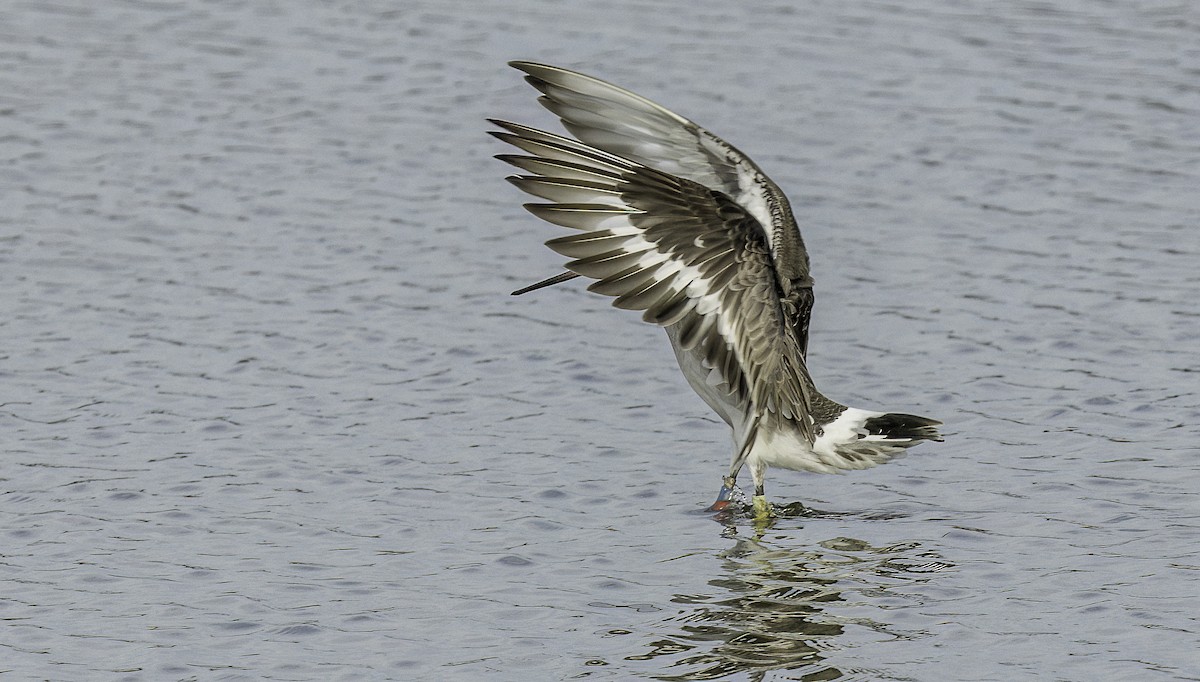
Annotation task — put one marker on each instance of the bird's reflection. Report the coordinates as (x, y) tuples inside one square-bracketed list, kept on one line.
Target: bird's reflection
[(782, 608)]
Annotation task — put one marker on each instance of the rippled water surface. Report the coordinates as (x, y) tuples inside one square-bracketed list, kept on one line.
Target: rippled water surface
[(268, 411)]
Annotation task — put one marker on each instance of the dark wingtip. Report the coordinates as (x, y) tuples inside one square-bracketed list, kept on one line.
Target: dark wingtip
[(549, 281), (527, 66), (530, 68)]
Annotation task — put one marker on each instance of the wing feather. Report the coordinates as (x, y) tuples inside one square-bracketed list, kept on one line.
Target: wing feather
[(682, 253), (629, 126)]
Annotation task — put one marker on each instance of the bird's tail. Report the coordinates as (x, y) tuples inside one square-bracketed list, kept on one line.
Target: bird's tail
[(857, 439), (901, 428)]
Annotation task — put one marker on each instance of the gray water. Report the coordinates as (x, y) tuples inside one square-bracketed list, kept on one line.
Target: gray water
[(269, 413)]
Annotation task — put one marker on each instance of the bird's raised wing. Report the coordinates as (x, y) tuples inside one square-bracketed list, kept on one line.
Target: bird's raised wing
[(632, 127), (683, 253)]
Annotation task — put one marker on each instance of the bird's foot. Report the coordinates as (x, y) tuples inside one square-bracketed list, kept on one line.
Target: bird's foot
[(762, 508), (729, 491)]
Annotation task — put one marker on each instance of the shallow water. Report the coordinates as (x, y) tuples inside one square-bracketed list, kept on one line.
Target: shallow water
[(269, 412)]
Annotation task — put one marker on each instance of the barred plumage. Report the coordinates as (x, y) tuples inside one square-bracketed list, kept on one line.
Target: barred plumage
[(678, 224)]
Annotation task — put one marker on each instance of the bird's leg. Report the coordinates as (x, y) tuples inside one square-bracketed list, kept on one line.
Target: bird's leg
[(729, 487), (728, 490), (762, 508)]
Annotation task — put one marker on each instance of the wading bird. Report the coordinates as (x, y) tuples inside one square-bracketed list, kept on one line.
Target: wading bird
[(675, 222)]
